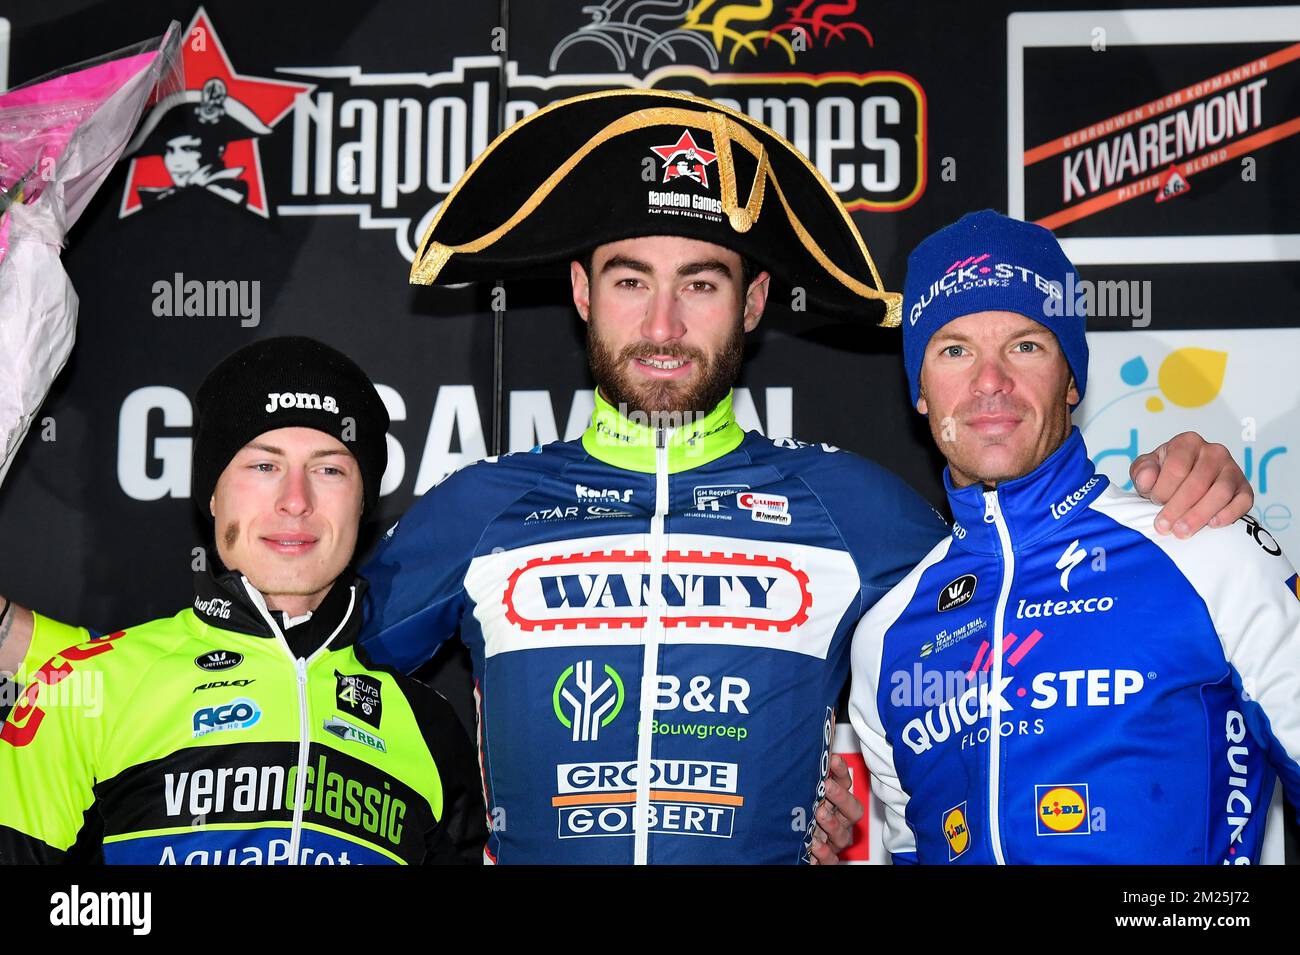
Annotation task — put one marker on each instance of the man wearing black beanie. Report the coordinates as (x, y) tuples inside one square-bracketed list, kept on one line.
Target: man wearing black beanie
[(285, 383), (256, 410), (282, 742)]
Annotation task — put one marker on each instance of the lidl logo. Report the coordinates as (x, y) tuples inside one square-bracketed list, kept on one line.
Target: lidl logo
[(1293, 585), (956, 831), (1062, 810)]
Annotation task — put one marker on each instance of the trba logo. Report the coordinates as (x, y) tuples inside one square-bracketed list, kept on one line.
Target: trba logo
[(583, 706)]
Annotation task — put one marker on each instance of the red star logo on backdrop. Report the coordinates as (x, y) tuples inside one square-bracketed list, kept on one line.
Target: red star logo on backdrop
[(685, 158), (175, 147)]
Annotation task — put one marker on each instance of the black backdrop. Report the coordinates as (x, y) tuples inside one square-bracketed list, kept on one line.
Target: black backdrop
[(911, 123)]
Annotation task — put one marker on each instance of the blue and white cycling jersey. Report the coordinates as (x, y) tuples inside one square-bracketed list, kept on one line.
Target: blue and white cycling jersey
[(1056, 683), (659, 623)]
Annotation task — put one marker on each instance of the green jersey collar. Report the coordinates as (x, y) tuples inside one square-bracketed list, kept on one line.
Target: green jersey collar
[(627, 443)]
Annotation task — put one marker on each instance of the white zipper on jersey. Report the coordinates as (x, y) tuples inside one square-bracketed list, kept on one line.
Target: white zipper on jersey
[(304, 717), (993, 515), (652, 635), (304, 744)]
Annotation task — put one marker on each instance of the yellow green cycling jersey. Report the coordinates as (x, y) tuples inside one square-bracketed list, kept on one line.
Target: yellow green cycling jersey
[(204, 738)]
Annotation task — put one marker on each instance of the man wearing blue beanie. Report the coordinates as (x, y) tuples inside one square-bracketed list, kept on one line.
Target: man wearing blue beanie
[(988, 261), (1056, 682)]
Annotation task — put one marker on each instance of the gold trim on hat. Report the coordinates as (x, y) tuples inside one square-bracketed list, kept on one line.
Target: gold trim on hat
[(727, 127)]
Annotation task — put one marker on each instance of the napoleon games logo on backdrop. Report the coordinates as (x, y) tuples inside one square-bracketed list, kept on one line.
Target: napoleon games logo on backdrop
[(1237, 388), (203, 140), (384, 149)]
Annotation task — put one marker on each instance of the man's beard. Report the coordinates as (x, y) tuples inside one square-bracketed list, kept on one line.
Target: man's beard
[(714, 378)]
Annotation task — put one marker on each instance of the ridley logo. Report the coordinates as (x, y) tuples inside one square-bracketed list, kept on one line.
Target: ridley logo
[(610, 589), (222, 684)]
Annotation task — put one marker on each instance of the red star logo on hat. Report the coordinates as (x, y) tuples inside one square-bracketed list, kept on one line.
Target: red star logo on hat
[(685, 158), (230, 109)]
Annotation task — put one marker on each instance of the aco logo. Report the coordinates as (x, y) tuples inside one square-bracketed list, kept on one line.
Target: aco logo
[(238, 714), (956, 831), (1062, 810)]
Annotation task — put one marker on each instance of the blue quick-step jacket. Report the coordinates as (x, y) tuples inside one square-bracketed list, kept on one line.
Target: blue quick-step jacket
[(659, 622), (1142, 700)]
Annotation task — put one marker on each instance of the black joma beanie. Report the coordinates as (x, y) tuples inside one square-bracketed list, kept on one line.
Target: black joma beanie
[(287, 382)]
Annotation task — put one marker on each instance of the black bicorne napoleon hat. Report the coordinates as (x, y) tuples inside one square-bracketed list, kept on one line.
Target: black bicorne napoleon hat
[(621, 164)]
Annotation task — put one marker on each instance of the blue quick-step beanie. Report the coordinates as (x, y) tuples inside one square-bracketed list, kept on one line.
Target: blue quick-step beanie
[(988, 262)]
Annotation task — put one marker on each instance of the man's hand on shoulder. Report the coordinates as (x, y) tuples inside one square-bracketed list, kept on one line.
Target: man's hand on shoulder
[(836, 816), (1198, 483)]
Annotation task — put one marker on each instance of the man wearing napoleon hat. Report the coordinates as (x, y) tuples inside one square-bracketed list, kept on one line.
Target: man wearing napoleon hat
[(658, 613)]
